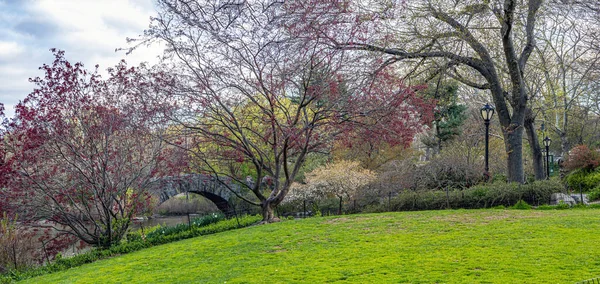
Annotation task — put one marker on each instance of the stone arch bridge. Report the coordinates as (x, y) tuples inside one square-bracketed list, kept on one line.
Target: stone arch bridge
[(218, 191)]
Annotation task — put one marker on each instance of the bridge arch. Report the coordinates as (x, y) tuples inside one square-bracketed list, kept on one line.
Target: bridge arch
[(218, 191)]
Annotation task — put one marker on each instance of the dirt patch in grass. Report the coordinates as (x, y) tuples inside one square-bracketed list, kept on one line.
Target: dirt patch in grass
[(356, 219), (337, 220), (277, 249)]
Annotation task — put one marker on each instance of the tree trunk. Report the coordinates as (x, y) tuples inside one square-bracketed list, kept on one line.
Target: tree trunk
[(108, 238), (268, 212), (514, 148), (564, 144), (340, 208), (534, 144), (14, 251)]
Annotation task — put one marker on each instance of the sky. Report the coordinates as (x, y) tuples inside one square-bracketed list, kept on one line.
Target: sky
[(88, 31)]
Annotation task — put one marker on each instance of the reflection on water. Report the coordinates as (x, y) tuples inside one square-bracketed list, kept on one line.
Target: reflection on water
[(161, 220)]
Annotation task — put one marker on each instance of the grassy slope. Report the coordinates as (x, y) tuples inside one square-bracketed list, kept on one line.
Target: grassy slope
[(464, 246)]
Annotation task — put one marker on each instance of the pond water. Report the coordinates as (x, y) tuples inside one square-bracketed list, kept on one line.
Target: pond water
[(161, 220)]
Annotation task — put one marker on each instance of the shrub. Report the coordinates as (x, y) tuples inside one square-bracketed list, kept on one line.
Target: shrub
[(562, 205), (133, 237), (594, 194), (575, 178), (521, 205), (499, 178), (582, 157), (586, 179), (450, 168), (594, 206), (546, 207)]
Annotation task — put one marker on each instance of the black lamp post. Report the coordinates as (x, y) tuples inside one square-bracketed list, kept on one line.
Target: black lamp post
[(547, 142), (544, 156), (487, 111)]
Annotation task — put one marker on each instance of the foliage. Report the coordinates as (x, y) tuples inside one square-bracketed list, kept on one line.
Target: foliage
[(81, 151), (560, 206), (62, 264), (521, 205), (585, 179), (563, 205), (453, 246), (594, 194), (449, 115), (582, 157)]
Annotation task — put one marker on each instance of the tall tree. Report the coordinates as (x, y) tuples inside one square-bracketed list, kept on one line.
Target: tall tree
[(80, 153), (461, 35), (261, 96), (567, 58)]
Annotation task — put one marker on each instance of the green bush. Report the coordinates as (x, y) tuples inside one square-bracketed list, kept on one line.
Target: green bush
[(546, 207), (588, 180), (521, 205), (133, 237), (562, 205), (499, 178), (594, 194)]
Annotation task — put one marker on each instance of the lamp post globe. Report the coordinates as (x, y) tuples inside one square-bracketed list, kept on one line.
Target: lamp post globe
[(487, 112)]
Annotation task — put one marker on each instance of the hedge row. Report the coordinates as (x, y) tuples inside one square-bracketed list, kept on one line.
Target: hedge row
[(481, 196)]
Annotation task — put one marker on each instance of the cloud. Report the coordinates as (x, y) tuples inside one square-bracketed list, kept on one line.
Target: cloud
[(36, 28), (9, 50), (88, 30)]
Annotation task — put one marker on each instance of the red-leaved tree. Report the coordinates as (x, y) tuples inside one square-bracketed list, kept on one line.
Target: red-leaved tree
[(582, 157), (252, 99), (82, 150)]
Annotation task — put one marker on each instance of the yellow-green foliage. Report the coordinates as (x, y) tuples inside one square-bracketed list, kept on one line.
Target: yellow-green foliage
[(462, 246), (587, 180)]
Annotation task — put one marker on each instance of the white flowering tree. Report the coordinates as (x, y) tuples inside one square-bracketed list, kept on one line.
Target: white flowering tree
[(340, 179)]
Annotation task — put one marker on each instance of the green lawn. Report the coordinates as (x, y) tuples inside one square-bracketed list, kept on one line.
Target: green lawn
[(463, 246)]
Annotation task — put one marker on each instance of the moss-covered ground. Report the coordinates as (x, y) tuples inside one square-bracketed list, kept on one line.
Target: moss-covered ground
[(453, 246)]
